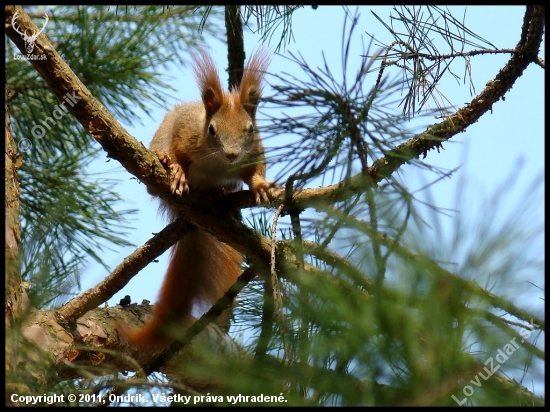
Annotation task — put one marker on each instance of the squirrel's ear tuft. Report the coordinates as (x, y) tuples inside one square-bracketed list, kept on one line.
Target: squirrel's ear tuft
[(251, 83), (209, 82)]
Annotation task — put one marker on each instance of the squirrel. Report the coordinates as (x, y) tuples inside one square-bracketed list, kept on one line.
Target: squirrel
[(210, 148)]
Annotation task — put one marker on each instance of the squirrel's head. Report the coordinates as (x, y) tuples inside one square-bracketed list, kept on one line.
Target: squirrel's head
[(231, 130), (230, 125)]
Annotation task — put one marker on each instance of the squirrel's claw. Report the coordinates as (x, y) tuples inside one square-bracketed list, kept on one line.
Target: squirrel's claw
[(179, 180), (177, 175), (262, 191)]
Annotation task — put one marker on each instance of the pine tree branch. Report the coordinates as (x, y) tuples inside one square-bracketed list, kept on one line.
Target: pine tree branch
[(123, 273), (121, 146), (141, 163), (235, 44), (434, 268), (433, 136), (527, 52), (287, 249), (179, 12)]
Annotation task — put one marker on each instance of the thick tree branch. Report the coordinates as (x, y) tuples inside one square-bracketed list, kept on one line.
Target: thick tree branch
[(124, 272), (216, 218), (235, 44), (526, 52), (142, 164), (121, 146)]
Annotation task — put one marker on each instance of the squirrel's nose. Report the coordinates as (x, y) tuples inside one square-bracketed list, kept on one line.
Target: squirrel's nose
[(231, 156)]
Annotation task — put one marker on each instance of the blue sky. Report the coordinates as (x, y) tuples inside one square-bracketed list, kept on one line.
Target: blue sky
[(488, 153)]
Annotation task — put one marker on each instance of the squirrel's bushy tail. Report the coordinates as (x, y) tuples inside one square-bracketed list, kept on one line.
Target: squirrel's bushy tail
[(201, 270)]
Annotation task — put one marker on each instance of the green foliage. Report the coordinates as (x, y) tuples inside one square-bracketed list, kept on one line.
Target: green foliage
[(419, 34), (382, 301), (387, 309), (68, 212), (269, 19), (350, 338)]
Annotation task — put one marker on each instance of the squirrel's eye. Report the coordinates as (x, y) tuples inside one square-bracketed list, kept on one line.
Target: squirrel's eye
[(251, 130), (211, 130)]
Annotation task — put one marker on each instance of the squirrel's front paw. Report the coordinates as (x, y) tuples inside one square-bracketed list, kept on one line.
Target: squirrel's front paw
[(262, 190), (177, 175), (179, 180)]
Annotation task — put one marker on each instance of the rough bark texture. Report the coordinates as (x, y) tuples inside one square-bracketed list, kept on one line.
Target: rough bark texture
[(96, 328)]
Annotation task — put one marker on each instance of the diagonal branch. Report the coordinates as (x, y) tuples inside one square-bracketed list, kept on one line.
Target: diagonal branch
[(526, 53), (123, 273), (145, 166), (432, 137), (120, 145), (142, 164)]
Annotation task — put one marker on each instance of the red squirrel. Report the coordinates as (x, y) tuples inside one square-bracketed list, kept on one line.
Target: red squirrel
[(210, 147)]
